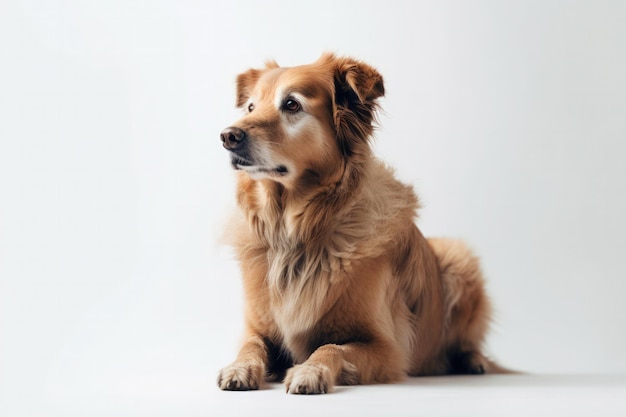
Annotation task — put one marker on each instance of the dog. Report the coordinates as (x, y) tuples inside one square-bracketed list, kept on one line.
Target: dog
[(340, 285)]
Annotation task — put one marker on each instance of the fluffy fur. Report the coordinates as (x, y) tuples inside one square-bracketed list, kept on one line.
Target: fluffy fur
[(340, 285)]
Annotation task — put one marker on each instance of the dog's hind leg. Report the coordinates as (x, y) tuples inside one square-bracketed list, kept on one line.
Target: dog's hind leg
[(467, 306)]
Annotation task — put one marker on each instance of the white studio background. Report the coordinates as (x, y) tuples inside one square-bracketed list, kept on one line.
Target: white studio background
[(508, 117)]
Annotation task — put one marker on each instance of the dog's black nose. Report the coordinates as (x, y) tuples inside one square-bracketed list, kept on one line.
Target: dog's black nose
[(232, 137)]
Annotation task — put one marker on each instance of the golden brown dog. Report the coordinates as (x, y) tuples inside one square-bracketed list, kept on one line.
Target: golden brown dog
[(340, 285)]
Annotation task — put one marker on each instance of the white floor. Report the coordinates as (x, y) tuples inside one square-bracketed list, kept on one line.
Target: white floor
[(491, 395)]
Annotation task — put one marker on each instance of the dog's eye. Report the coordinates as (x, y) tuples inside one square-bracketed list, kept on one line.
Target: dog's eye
[(250, 107), (291, 105)]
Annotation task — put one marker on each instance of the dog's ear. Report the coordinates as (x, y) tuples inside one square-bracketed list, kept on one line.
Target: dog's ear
[(357, 86), (245, 84), (247, 80), (359, 78)]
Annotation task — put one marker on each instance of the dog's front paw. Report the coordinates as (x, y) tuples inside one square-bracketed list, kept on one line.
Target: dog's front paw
[(309, 379), (240, 376)]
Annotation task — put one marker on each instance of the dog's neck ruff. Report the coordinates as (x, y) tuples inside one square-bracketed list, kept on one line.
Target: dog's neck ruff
[(305, 233)]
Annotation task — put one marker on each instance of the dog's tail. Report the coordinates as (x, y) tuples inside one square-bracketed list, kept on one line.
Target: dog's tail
[(492, 367)]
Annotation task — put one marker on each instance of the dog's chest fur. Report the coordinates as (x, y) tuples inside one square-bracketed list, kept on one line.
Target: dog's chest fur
[(301, 280), (305, 277)]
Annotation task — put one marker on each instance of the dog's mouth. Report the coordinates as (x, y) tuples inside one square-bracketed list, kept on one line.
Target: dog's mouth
[(240, 163)]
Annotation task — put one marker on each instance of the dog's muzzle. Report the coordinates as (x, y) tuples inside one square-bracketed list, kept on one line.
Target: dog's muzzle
[(235, 141), (233, 138)]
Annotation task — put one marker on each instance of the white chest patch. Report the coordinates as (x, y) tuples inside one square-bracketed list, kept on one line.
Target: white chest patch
[(301, 290)]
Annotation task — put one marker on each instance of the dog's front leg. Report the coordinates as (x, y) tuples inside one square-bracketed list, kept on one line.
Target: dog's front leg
[(352, 363), (246, 373)]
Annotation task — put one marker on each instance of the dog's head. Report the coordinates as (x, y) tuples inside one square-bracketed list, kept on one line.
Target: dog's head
[(309, 120)]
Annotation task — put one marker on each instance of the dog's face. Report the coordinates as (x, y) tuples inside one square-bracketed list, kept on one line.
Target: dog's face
[(305, 121)]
